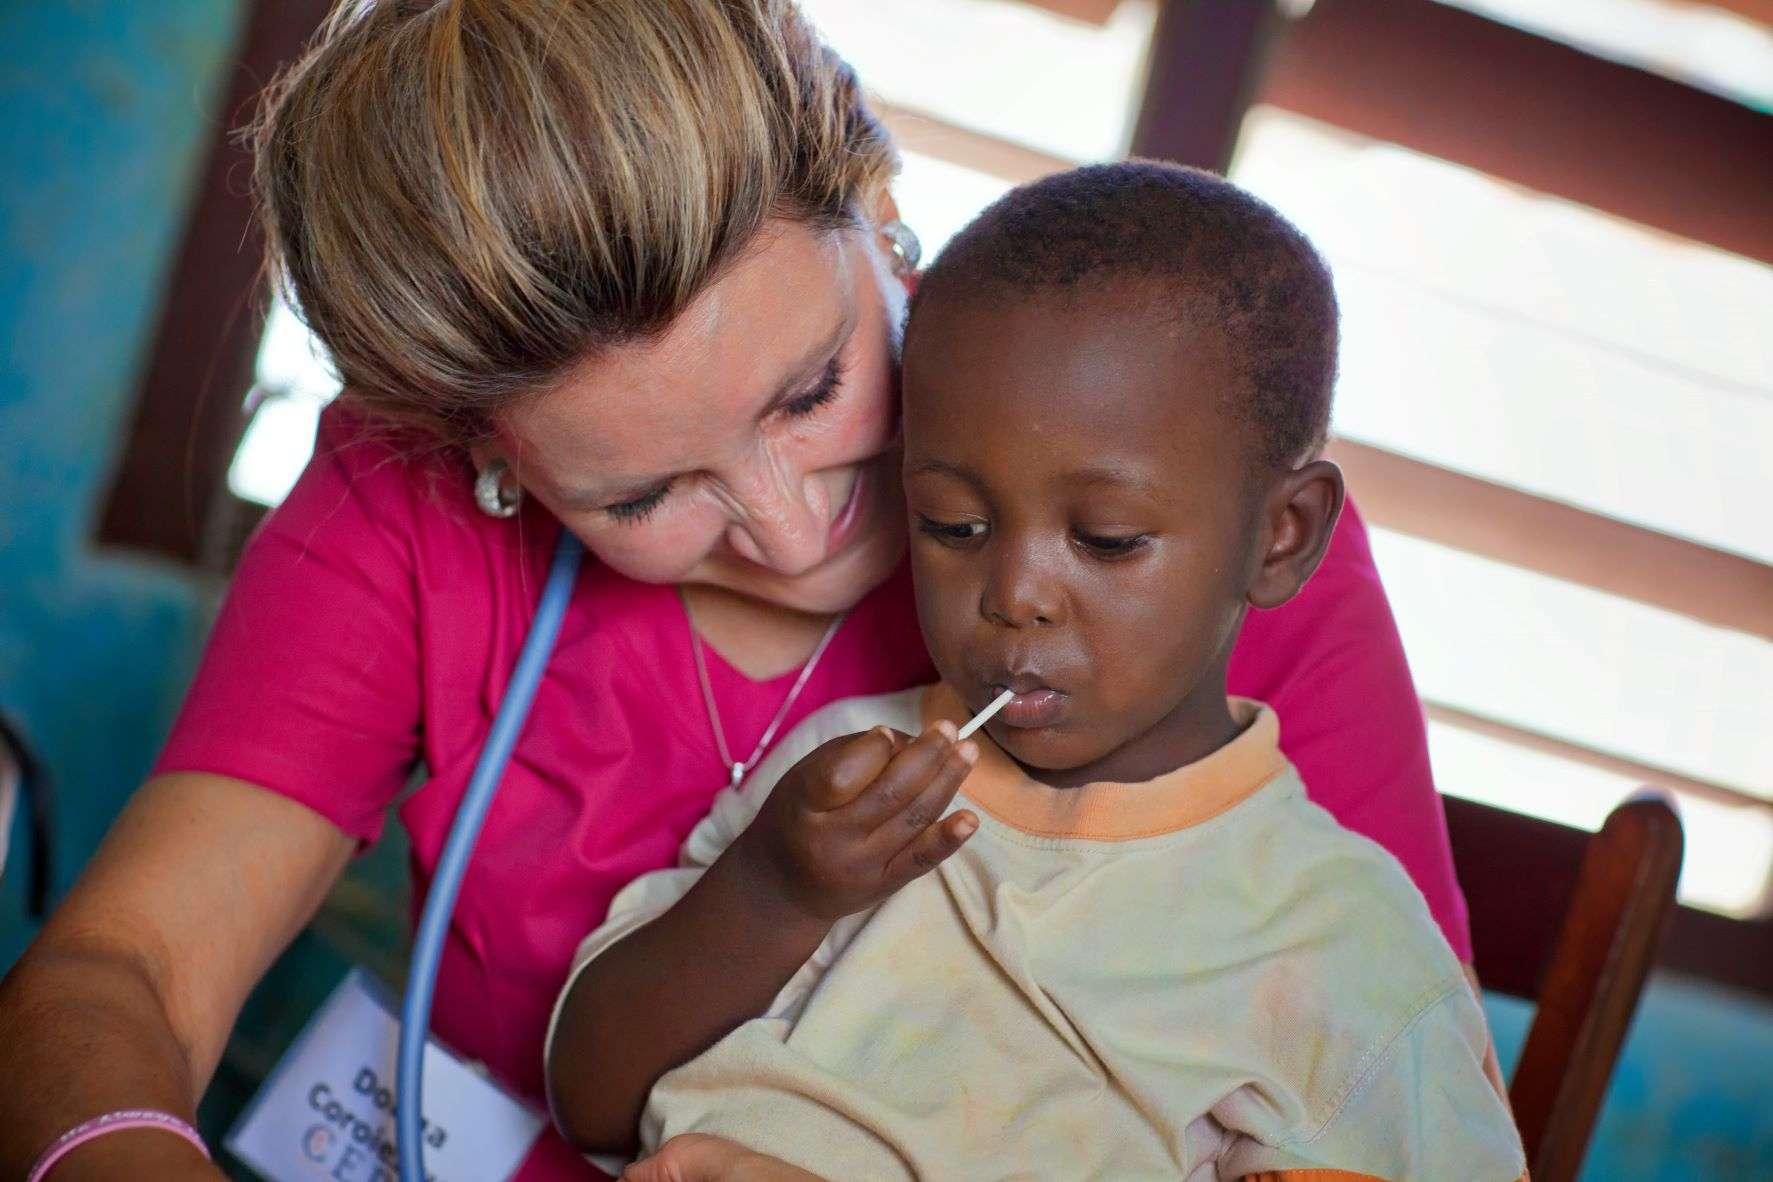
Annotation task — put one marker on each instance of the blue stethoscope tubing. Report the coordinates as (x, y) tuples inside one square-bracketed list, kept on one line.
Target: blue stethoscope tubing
[(452, 864)]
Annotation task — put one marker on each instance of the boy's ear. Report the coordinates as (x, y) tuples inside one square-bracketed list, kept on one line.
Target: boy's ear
[(1299, 516)]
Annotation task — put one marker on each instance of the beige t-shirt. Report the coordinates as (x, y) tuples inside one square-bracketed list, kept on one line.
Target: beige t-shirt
[(1202, 976)]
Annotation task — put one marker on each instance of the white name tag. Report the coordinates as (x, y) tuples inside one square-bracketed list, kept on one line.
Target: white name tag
[(327, 1110)]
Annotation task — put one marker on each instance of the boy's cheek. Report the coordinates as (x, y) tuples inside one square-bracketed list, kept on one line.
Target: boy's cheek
[(944, 616)]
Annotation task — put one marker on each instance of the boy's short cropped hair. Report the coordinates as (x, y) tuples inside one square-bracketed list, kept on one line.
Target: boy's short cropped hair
[(1205, 252)]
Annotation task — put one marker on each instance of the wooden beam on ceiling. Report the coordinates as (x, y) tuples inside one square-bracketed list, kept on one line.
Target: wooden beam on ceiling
[(1094, 12), (1631, 769), (1758, 11), (1204, 65), (1519, 528), (1533, 111)]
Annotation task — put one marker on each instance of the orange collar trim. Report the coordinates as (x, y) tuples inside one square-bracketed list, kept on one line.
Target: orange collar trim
[(1177, 800)]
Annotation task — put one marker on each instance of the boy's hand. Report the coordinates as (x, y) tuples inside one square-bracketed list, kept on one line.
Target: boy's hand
[(859, 818)]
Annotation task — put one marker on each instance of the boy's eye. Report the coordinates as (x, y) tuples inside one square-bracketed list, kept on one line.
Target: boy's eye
[(1107, 546), (952, 533), (641, 507), (819, 395)]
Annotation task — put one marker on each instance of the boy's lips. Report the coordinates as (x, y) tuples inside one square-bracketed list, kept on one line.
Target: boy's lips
[(1036, 704)]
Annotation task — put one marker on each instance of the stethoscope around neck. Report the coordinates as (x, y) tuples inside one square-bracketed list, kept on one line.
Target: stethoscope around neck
[(452, 864), (497, 500)]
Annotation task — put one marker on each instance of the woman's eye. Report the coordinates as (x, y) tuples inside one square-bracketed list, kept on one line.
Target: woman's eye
[(1111, 547), (819, 395), (950, 532), (641, 507)]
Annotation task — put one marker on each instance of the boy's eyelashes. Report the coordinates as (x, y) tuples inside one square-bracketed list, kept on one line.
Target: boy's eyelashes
[(637, 509), (953, 533), (1106, 546), (961, 534)]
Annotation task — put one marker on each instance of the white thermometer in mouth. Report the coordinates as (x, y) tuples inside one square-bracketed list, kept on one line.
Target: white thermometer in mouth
[(984, 716)]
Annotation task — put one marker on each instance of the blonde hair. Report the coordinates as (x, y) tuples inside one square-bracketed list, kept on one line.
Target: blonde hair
[(468, 197)]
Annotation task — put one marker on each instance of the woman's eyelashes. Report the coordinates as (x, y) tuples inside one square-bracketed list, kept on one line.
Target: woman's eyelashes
[(638, 509), (822, 392)]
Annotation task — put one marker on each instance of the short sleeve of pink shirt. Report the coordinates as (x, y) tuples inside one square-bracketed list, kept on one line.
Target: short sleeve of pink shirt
[(310, 685)]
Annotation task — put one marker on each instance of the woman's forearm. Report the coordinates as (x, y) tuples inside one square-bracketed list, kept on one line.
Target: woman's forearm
[(667, 992), (126, 998), (83, 1032)]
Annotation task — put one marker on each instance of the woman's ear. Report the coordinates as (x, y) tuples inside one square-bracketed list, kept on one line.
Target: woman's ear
[(885, 212), (482, 454), (493, 444), (885, 208), (1299, 515)]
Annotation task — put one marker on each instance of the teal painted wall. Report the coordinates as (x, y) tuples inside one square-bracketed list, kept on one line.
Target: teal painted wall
[(105, 110), (105, 113), (1692, 1097)]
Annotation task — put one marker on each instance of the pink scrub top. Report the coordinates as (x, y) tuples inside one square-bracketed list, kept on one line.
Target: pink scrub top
[(376, 616)]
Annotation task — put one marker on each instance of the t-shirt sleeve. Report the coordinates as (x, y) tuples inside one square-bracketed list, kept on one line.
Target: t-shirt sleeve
[(1332, 666), (309, 684), (1423, 1110)]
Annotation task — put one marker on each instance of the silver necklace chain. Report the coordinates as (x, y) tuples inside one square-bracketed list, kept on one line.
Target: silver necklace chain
[(736, 768)]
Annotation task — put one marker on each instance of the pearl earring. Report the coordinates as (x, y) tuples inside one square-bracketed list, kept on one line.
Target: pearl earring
[(902, 240), (494, 494)]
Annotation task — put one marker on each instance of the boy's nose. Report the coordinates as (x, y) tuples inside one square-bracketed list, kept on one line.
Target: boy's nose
[(1020, 593)]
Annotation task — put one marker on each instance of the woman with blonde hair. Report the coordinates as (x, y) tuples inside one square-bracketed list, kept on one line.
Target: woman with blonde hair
[(627, 268)]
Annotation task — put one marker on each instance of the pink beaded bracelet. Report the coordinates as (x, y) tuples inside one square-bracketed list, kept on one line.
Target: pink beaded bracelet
[(113, 1122)]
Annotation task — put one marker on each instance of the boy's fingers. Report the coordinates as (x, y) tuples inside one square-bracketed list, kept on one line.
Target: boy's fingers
[(847, 766), (903, 779), (900, 739), (899, 829), (932, 847)]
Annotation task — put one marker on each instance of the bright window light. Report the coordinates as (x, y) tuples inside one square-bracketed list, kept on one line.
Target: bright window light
[(294, 381), (1600, 672), (1697, 43), (937, 198), (1533, 342), (274, 450), (1591, 668), (1000, 66), (1729, 848)]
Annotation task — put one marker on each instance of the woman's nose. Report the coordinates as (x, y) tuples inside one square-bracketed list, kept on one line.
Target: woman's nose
[(784, 521), (1019, 591)]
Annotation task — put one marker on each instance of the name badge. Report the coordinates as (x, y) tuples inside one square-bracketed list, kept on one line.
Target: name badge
[(327, 1109)]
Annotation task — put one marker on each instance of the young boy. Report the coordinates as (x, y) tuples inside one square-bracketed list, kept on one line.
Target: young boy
[(1129, 946)]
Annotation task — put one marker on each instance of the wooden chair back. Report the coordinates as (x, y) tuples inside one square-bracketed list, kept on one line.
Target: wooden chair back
[(1571, 921)]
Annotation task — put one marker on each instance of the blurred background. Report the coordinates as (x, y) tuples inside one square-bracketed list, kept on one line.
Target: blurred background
[(1551, 223)]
